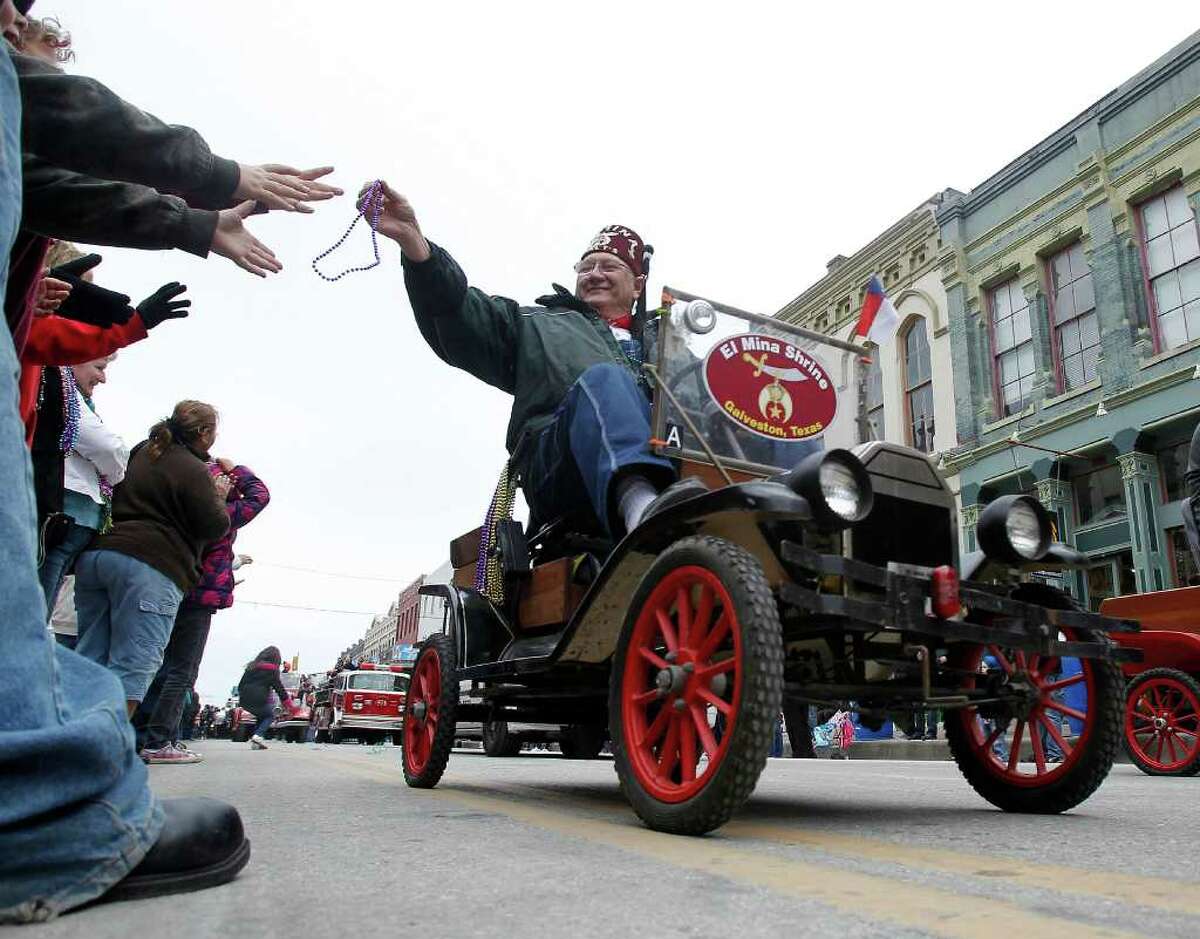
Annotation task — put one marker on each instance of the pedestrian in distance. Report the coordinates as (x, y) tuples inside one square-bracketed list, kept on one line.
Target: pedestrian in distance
[(260, 678)]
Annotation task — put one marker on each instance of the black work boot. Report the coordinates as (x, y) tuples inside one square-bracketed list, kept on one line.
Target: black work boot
[(201, 845)]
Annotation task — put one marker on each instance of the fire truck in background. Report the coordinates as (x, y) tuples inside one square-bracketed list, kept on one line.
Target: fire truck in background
[(365, 702)]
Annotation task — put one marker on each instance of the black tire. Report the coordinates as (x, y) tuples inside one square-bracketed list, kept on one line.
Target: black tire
[(582, 741), (321, 735), (424, 765), (397, 738), (336, 735), (709, 799), (1189, 763), (1069, 785), (497, 741), (240, 735)]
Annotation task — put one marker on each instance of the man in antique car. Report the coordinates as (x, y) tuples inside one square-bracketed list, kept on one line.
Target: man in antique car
[(579, 433)]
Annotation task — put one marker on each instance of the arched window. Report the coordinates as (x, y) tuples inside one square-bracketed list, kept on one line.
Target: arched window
[(918, 387), (873, 430)]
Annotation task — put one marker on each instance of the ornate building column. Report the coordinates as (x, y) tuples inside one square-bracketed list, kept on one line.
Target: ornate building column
[(1059, 500), (1139, 474)]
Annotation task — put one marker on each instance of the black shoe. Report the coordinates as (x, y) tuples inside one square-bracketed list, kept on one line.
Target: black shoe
[(202, 844), (675, 493)]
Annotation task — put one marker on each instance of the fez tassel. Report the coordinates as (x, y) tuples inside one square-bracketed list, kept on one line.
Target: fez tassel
[(878, 320)]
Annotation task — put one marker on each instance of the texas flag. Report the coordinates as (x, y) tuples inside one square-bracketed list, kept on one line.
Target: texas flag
[(878, 320)]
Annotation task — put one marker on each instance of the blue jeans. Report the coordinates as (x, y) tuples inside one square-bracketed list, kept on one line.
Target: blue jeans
[(76, 813), (264, 723), (126, 610), (157, 719), (59, 559), (600, 431)]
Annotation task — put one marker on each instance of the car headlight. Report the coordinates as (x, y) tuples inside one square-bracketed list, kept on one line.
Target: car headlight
[(1014, 529), (836, 485)]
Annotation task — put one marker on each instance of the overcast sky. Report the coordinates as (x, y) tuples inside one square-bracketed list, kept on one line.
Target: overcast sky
[(748, 142)]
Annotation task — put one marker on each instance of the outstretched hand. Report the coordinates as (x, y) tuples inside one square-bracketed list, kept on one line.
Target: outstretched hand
[(283, 187), (162, 305), (398, 221), (232, 240)]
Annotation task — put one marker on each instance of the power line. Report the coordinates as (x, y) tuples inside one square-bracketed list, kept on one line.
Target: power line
[(313, 609), (313, 570)]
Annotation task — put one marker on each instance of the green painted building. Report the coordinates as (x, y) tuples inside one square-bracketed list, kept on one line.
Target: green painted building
[(1072, 282)]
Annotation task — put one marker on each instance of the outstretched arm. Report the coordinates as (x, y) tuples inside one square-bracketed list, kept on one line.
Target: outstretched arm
[(78, 123), (464, 326)]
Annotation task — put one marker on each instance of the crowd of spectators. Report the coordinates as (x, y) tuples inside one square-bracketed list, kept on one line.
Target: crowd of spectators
[(113, 559)]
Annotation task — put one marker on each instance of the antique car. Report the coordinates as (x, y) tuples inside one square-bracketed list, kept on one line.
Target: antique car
[(508, 738), (1162, 706), (365, 703), (806, 573), (292, 726)]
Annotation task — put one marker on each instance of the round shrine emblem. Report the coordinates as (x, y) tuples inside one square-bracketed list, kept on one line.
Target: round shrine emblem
[(770, 387)]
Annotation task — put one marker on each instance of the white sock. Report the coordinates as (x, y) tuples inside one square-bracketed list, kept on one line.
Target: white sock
[(634, 495)]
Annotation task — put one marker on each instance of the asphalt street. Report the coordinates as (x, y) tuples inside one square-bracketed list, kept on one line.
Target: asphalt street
[(540, 846)]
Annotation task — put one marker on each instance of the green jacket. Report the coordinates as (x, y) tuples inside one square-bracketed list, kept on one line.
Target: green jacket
[(535, 353)]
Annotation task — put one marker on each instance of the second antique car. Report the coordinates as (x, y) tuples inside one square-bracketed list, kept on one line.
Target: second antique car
[(803, 575), (1162, 704)]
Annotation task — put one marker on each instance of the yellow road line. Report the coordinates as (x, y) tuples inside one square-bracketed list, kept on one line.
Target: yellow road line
[(1158, 893), (936, 911)]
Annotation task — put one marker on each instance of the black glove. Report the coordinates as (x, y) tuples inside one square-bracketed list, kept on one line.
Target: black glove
[(161, 305), (88, 303)]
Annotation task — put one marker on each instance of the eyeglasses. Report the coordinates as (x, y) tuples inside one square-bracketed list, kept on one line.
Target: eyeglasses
[(603, 265)]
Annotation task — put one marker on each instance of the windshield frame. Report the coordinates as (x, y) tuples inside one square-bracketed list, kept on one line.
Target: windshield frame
[(848, 359)]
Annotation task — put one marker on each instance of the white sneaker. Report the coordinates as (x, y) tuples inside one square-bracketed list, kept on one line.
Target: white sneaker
[(257, 743)]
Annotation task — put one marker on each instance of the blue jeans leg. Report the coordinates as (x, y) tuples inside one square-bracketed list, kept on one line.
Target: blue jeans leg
[(181, 664), (142, 603), (76, 813), (264, 723), (600, 431), (59, 560)]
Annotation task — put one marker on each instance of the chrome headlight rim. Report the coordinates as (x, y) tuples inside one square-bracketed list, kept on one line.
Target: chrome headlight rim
[(813, 479), (996, 523)]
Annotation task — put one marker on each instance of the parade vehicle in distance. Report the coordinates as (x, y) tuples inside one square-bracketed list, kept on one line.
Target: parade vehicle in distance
[(292, 726), (803, 575), (365, 702), (1162, 705)]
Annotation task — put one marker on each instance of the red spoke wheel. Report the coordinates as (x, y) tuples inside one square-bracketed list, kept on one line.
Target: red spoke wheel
[(696, 686), (429, 713), (1162, 722), (1072, 705)]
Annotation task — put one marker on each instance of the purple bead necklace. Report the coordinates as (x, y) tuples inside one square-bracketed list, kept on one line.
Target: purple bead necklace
[(372, 202)]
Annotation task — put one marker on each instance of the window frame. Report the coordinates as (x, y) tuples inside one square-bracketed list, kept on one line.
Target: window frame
[(1052, 324), (881, 431), (910, 435), (1139, 224), (989, 302)]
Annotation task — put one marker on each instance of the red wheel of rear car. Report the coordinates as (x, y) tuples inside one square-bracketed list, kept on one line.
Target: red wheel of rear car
[(1162, 722), (429, 713), (1047, 700), (696, 686)]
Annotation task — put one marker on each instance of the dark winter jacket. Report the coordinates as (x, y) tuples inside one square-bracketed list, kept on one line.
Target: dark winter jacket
[(257, 682), (247, 497), (95, 169), (165, 513), (535, 353)]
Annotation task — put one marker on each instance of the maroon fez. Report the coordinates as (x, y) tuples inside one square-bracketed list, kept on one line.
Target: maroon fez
[(620, 242)]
